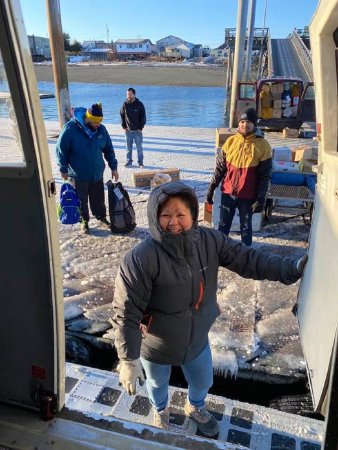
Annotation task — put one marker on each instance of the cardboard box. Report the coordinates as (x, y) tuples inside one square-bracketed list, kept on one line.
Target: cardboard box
[(207, 217), (290, 133), (309, 159), (297, 153), (277, 88), (276, 96), (143, 179), (281, 154), (276, 113), (277, 104), (222, 134), (305, 165)]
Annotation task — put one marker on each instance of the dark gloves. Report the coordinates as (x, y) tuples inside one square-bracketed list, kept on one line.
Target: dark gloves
[(210, 196), (258, 206)]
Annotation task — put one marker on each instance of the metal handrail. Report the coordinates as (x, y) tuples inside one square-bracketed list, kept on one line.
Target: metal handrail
[(270, 61), (303, 53)]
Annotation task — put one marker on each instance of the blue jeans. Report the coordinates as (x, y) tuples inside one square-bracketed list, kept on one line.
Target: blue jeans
[(136, 136), (198, 373), (228, 208)]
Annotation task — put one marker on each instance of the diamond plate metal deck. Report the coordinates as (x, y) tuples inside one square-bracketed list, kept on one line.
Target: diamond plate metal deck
[(97, 394)]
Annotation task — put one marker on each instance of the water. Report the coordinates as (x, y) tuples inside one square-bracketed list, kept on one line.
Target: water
[(201, 107)]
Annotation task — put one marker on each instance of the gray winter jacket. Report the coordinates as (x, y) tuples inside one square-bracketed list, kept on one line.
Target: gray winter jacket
[(165, 290)]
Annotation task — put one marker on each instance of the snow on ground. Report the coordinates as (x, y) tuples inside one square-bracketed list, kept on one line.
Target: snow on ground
[(256, 318)]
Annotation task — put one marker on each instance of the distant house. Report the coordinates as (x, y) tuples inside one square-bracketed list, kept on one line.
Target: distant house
[(98, 54), (39, 47), (175, 51), (166, 45), (89, 45), (219, 52), (133, 47)]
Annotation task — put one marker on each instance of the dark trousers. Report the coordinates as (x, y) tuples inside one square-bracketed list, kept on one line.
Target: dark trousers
[(228, 208), (95, 192)]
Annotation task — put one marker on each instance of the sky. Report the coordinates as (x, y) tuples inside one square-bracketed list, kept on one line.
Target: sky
[(197, 21)]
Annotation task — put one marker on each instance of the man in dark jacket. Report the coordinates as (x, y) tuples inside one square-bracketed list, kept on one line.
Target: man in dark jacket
[(244, 168), (165, 300), (80, 148), (133, 119)]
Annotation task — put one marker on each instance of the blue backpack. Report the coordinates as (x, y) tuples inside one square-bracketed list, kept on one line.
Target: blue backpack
[(69, 206)]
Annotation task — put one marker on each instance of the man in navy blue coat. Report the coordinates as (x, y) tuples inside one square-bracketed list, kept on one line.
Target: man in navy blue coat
[(80, 148), (133, 119)]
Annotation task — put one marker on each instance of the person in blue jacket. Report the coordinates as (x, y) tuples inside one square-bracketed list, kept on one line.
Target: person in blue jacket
[(80, 148)]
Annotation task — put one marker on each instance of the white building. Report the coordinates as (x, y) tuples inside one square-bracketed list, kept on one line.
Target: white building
[(175, 51), (219, 52), (167, 44), (133, 47)]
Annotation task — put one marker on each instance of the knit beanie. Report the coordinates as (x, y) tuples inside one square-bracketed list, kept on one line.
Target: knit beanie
[(248, 114), (94, 113)]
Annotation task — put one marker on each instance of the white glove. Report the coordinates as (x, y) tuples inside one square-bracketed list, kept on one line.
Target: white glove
[(130, 371)]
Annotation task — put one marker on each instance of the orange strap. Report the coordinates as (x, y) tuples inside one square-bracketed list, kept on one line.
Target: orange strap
[(199, 301)]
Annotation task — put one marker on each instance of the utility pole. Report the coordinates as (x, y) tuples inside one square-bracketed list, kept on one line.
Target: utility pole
[(229, 70), (251, 28), (58, 60), (239, 54), (107, 34), (228, 88), (262, 41)]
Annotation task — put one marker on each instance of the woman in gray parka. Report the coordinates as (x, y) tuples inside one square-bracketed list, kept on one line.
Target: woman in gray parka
[(165, 300)]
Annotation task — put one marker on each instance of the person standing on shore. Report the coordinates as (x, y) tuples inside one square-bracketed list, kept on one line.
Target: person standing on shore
[(80, 148), (165, 300), (244, 167), (133, 119)]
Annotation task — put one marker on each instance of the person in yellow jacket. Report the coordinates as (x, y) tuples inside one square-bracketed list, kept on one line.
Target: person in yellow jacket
[(244, 168)]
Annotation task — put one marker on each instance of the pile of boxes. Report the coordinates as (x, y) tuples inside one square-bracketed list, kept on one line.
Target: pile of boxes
[(295, 159), (277, 90), (306, 157), (278, 100)]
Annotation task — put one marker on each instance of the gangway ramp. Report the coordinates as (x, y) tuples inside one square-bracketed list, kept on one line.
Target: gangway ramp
[(289, 60)]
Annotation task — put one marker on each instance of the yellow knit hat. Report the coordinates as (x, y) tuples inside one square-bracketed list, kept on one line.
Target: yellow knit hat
[(94, 113)]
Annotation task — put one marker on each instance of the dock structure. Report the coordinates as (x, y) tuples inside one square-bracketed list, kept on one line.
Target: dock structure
[(6, 95)]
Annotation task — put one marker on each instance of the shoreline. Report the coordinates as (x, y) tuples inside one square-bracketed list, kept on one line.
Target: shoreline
[(137, 74)]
